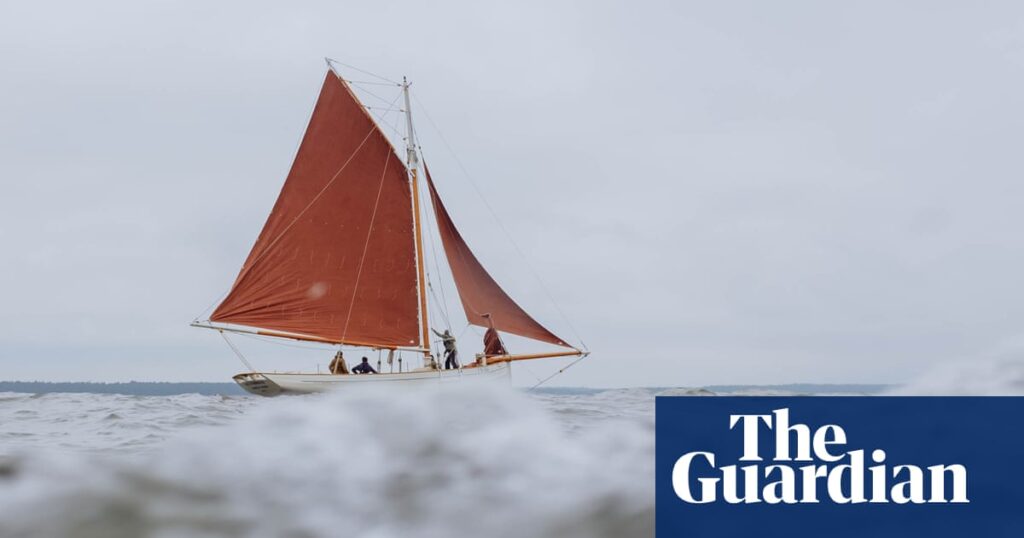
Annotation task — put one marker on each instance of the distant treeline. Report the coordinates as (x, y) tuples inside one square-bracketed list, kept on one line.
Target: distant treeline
[(134, 388), (808, 388), (796, 388), (149, 388)]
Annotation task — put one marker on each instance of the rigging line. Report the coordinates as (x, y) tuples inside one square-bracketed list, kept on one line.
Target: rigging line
[(442, 309), (394, 126), (369, 82), (471, 327), (314, 200), (432, 305), (571, 364), (212, 305), (450, 225), (529, 371), (433, 252), (366, 245), (383, 110), (508, 236), (372, 118), (432, 224), (444, 315), (375, 96), (464, 329), (363, 71), (275, 341), (237, 352), (381, 120), (380, 115)]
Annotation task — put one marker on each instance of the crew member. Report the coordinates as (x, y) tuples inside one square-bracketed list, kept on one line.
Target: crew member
[(338, 365), (364, 367), (450, 353), (492, 343)]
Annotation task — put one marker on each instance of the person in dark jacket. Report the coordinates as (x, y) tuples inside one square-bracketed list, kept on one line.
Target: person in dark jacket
[(364, 367), (450, 353)]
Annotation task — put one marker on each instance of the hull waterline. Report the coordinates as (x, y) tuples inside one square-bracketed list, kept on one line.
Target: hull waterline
[(275, 384)]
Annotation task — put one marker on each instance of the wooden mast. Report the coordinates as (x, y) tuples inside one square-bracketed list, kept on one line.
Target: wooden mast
[(413, 163)]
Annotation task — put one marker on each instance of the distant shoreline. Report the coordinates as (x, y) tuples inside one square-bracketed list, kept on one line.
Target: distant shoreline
[(131, 388), (161, 388)]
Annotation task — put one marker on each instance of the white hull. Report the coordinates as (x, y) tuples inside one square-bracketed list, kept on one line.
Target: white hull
[(273, 384)]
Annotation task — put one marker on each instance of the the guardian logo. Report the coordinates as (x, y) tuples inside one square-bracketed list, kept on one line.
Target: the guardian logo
[(808, 467)]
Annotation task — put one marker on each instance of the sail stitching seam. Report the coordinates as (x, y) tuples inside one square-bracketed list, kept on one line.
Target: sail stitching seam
[(313, 201)]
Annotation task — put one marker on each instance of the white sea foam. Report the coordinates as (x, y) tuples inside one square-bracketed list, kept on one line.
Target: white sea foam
[(462, 461)]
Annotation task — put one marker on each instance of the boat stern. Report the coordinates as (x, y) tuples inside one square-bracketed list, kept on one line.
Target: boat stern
[(258, 384)]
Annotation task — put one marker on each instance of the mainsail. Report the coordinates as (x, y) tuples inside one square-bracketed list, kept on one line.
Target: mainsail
[(336, 259), (485, 303)]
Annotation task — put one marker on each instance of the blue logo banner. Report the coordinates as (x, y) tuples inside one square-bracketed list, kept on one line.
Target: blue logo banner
[(840, 466)]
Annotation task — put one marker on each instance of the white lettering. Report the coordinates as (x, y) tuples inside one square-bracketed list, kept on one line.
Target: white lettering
[(681, 479), (846, 483), (750, 452)]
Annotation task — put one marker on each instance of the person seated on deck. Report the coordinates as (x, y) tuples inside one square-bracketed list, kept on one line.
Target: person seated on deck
[(338, 366), (492, 344), (364, 367)]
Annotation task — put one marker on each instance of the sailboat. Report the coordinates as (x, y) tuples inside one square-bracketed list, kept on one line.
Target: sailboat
[(340, 261)]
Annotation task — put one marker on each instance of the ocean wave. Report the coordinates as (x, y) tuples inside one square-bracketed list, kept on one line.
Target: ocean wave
[(107, 422), (436, 463), (1003, 376)]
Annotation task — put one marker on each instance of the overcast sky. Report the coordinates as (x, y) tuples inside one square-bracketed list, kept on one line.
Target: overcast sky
[(713, 192)]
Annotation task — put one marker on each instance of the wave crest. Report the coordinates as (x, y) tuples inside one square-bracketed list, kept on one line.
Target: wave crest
[(433, 463)]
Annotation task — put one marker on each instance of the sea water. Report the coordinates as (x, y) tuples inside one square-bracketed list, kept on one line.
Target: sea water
[(462, 461)]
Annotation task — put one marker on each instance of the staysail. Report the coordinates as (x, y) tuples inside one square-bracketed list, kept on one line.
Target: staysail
[(336, 259), (485, 303)]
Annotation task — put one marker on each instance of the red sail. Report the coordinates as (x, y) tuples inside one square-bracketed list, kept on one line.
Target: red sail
[(485, 303), (336, 257)]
